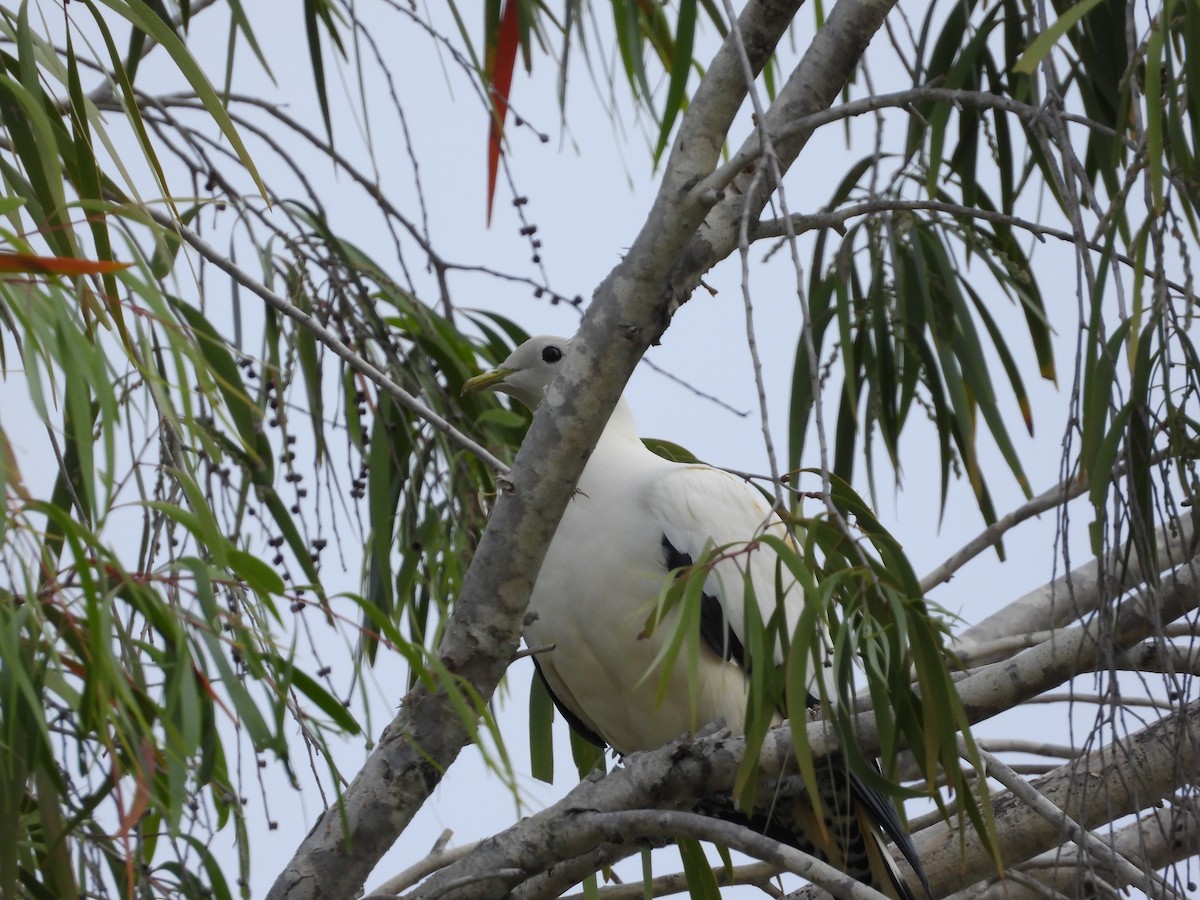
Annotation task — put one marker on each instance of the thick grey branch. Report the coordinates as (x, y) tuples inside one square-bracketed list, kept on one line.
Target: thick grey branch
[(581, 828), (1066, 826), (723, 89), (1074, 650), (670, 777), (1160, 656), (1160, 838), (1075, 594), (813, 85), (1118, 779)]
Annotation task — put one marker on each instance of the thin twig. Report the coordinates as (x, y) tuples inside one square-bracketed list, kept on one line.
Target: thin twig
[(836, 219), (104, 91), (1102, 700), (1061, 493), (1033, 884), (328, 338), (438, 858), (756, 874), (1037, 748), (744, 255), (675, 824), (724, 175)]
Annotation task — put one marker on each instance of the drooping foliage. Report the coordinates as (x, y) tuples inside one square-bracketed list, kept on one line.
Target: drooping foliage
[(216, 402)]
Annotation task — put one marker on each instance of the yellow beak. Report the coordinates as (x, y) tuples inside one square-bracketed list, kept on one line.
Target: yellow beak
[(485, 381)]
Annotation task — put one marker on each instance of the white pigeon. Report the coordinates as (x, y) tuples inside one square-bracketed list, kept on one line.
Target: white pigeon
[(634, 519)]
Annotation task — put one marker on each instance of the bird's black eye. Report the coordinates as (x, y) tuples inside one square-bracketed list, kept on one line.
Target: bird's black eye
[(551, 354)]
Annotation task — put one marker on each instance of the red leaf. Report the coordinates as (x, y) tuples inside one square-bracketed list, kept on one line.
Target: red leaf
[(56, 265), (501, 62)]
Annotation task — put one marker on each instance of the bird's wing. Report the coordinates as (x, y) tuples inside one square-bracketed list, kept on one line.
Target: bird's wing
[(700, 508)]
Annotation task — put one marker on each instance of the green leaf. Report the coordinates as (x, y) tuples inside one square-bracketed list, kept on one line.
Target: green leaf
[(389, 461), (670, 451), (1101, 465), (239, 21), (681, 63), (142, 17), (627, 17), (1041, 45), (249, 715), (541, 731), (245, 414), (256, 573), (1191, 64), (1139, 448), (34, 140), (702, 884), (324, 701), (1154, 118), (89, 181), (122, 77), (163, 260), (1099, 379), (587, 756), (316, 58)]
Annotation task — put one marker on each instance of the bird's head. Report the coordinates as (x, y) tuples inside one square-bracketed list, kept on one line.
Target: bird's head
[(526, 373)]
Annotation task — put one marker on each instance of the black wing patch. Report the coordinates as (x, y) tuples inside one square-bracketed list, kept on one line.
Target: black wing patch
[(714, 627), (573, 720)]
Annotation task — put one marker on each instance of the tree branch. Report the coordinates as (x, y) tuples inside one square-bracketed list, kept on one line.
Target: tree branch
[(757, 874), (581, 829), (836, 219), (1116, 780), (1058, 495), (671, 777), (566, 874), (685, 771), (1160, 656), (1071, 651), (1085, 590), (805, 123), (1065, 825), (1161, 837), (437, 858), (824, 70), (1036, 748), (325, 336)]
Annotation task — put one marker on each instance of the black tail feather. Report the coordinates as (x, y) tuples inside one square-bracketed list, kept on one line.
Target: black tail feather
[(851, 834)]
